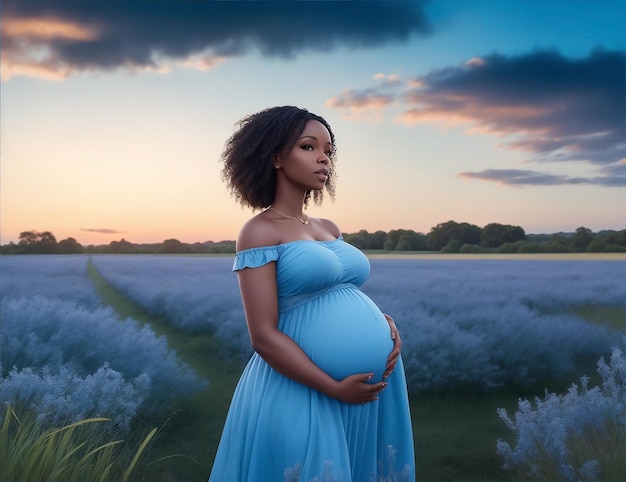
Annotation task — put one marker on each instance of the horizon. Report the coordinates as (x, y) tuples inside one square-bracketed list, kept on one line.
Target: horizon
[(233, 240), (114, 118)]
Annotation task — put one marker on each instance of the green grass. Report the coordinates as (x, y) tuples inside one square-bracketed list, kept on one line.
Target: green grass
[(607, 445), (613, 317), (79, 451), (193, 431), (455, 433)]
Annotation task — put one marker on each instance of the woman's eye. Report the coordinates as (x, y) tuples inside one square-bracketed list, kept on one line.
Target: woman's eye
[(307, 147)]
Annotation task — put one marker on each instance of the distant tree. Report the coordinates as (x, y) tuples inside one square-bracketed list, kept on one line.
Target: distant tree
[(361, 240), (528, 247), (508, 248), (10, 248), (453, 246), (411, 241), (223, 247), (614, 241), (469, 248), (613, 248), (608, 242), (392, 239), (597, 245), (47, 243), (607, 238), (556, 244), (121, 247), (443, 233), (494, 235), (173, 246), (36, 242), (198, 248), (582, 238), (69, 246), (28, 241), (378, 240)]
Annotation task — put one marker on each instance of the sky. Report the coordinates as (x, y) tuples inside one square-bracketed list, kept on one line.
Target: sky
[(114, 113)]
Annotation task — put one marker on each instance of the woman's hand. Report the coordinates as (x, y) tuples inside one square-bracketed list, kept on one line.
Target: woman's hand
[(355, 389), (397, 344)]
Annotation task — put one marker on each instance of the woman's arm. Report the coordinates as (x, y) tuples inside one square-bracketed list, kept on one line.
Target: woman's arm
[(260, 302)]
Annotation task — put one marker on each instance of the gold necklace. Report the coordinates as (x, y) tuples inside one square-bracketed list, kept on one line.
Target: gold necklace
[(303, 221)]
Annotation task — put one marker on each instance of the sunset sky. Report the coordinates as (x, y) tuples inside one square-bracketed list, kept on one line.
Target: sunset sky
[(114, 113)]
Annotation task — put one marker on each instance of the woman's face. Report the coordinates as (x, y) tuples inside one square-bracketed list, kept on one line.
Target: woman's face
[(308, 163)]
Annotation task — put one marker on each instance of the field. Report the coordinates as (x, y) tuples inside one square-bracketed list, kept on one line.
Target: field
[(159, 341)]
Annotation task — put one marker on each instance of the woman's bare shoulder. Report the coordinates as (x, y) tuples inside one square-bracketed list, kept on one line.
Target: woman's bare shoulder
[(256, 232), (329, 226)]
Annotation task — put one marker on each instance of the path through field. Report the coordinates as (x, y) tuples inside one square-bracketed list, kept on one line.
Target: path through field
[(195, 429)]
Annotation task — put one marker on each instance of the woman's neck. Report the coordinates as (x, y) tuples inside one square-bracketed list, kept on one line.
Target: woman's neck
[(290, 202)]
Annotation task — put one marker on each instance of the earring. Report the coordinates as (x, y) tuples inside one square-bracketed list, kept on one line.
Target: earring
[(276, 166)]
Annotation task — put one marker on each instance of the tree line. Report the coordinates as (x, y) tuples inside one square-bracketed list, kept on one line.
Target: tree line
[(35, 242), (448, 237), (453, 237)]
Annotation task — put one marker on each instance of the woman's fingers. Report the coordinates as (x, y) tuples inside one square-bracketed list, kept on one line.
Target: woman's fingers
[(357, 390), (374, 391), (397, 345), (391, 362)]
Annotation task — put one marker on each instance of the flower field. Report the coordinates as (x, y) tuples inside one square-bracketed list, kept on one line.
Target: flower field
[(464, 323), (69, 357), (476, 324)]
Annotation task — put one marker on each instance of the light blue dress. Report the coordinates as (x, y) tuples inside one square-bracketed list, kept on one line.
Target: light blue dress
[(278, 430)]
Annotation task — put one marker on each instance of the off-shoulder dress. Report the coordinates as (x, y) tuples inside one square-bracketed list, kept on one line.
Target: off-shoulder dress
[(280, 430)]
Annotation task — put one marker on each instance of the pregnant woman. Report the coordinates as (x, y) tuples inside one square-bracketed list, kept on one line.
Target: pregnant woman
[(324, 395)]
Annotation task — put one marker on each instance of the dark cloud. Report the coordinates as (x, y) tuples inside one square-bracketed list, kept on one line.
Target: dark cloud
[(558, 109), (555, 108), (521, 177), (109, 34), (101, 230)]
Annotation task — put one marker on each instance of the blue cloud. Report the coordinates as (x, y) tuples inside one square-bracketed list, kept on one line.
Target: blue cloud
[(521, 177)]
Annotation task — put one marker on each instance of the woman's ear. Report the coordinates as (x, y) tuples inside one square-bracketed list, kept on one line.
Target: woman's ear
[(276, 161)]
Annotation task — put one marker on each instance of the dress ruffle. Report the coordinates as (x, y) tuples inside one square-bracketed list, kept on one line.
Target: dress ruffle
[(255, 257)]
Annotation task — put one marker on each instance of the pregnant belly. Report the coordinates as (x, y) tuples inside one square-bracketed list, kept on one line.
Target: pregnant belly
[(344, 333)]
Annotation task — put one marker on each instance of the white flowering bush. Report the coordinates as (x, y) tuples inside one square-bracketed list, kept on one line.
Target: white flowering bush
[(55, 277), (481, 323), (70, 357), (572, 436), (196, 293), (490, 323), (65, 396)]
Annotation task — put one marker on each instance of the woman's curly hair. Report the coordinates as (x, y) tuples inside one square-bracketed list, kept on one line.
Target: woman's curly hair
[(249, 153)]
